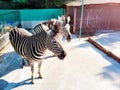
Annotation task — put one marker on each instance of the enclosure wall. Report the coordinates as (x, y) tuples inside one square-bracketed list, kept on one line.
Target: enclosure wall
[(97, 17)]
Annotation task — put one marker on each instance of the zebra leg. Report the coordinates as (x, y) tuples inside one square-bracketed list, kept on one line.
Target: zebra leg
[(28, 62), (39, 66), (23, 63), (54, 55), (32, 70)]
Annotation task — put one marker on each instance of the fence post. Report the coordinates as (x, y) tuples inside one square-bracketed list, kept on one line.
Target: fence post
[(81, 19)]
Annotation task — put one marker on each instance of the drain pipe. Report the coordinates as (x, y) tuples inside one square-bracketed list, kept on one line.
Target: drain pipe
[(81, 19)]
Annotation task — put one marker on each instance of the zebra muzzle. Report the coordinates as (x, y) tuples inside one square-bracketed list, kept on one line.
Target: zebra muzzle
[(62, 55), (69, 38)]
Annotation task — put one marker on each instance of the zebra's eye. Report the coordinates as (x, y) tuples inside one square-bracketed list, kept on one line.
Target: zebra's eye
[(53, 41)]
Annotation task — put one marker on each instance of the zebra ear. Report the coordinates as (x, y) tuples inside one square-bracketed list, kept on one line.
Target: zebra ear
[(59, 18), (63, 17), (68, 19)]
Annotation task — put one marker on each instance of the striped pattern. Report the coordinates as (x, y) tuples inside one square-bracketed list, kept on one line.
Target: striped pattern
[(32, 47), (58, 31)]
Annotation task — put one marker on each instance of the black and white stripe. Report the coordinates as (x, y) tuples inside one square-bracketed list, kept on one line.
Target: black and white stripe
[(32, 47), (57, 30)]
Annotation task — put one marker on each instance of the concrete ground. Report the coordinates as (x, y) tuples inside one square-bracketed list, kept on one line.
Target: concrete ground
[(84, 68)]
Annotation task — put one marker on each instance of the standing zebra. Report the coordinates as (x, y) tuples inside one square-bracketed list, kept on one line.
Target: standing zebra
[(65, 24), (62, 27), (33, 47), (57, 30)]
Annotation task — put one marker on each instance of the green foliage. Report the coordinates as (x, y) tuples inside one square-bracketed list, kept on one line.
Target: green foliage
[(31, 4)]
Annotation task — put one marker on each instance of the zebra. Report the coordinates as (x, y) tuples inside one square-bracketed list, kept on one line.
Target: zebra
[(65, 23), (57, 32), (33, 46), (56, 29), (65, 28)]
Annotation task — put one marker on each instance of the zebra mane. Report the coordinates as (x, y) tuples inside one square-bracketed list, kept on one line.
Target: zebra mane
[(38, 29)]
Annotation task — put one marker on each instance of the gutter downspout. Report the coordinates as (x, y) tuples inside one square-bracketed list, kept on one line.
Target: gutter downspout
[(81, 19)]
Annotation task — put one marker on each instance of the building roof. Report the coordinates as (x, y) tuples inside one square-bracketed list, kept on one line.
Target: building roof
[(79, 2)]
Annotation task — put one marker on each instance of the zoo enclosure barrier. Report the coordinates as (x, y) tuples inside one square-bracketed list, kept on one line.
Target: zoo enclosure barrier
[(10, 18)]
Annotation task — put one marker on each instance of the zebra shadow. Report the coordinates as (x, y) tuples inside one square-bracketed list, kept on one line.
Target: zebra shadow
[(5, 85), (9, 62)]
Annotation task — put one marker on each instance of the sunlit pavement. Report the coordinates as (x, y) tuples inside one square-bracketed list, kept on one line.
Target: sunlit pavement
[(84, 68)]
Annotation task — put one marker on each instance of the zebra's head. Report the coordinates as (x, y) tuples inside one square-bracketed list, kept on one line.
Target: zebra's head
[(62, 55), (66, 33), (56, 48), (63, 31), (65, 20), (69, 38), (66, 27)]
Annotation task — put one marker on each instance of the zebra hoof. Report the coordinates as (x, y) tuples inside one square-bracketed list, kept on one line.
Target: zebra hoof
[(32, 82), (40, 77), (54, 55)]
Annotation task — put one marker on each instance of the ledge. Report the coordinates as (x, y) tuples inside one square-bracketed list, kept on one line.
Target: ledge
[(4, 39), (107, 52)]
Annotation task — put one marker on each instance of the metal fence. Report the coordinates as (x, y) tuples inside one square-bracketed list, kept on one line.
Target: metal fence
[(9, 18), (27, 18)]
